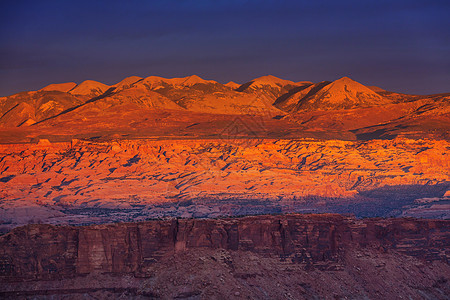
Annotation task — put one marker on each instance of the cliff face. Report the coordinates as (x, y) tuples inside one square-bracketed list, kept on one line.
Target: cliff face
[(49, 252)]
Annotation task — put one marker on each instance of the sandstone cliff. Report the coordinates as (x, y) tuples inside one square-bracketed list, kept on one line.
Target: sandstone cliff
[(328, 244)]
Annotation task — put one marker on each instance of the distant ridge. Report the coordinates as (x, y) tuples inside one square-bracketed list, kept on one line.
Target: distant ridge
[(60, 87), (271, 81), (344, 106), (269, 88), (127, 82), (343, 93), (89, 88), (232, 85)]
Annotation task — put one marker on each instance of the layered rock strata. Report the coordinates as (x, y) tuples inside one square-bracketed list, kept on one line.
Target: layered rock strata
[(298, 256), (133, 247)]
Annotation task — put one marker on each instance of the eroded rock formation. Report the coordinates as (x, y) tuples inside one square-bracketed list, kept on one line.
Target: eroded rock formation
[(87, 182), (325, 243)]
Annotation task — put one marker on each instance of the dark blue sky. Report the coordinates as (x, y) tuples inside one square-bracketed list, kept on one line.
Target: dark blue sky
[(401, 46)]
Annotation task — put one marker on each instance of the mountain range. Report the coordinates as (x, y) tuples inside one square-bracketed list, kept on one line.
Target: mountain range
[(343, 108)]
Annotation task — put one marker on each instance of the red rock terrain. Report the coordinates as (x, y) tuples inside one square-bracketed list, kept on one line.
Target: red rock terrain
[(87, 182), (264, 257), (157, 148)]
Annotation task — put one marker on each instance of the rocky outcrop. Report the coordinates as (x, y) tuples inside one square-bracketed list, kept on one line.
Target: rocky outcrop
[(49, 252)]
